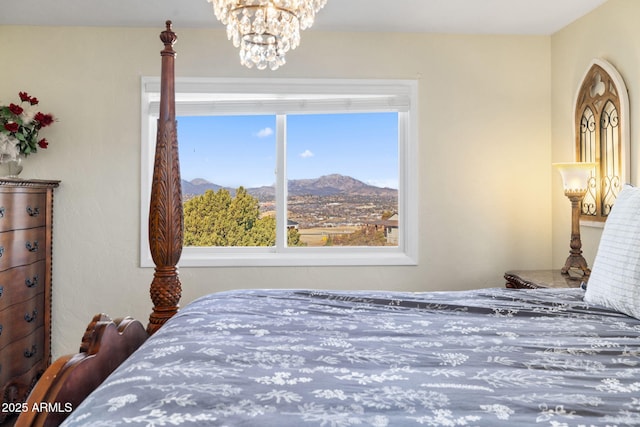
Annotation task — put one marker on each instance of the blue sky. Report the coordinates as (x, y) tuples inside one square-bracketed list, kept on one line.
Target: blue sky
[(240, 150)]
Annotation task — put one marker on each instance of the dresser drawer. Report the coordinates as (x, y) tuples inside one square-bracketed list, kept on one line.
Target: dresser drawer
[(21, 283), (26, 218), (20, 356), (22, 247), (22, 209), (21, 320)]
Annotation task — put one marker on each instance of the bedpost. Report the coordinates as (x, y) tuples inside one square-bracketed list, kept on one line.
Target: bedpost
[(165, 211)]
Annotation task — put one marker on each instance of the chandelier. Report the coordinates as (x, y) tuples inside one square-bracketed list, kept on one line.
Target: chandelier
[(265, 30)]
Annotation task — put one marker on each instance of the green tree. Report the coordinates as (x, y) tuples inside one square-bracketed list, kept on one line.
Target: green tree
[(293, 238), (217, 219), (204, 222)]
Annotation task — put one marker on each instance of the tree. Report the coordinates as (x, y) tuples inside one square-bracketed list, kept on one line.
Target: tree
[(387, 214), (363, 236), (217, 219)]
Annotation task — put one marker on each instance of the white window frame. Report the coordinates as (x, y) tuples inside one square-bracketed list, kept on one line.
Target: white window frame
[(199, 96)]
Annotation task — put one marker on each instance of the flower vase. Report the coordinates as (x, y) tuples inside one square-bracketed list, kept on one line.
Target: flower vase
[(11, 168)]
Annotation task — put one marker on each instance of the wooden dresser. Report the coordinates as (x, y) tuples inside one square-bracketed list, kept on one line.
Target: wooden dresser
[(26, 209)]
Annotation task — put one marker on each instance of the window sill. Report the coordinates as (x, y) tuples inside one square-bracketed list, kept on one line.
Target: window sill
[(234, 257)]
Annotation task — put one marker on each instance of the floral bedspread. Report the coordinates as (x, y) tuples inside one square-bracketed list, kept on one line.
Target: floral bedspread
[(492, 357)]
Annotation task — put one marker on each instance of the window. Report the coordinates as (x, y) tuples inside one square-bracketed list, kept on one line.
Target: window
[(330, 166), (602, 134)]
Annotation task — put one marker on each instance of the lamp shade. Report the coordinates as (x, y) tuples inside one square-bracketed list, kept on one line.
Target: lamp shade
[(575, 176)]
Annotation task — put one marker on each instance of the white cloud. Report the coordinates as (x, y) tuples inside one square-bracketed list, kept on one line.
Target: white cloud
[(263, 133), (306, 154)]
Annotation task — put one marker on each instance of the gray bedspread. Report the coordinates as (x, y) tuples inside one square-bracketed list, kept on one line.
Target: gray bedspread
[(281, 358)]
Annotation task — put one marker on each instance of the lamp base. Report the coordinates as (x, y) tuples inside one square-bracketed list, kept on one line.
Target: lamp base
[(576, 261)]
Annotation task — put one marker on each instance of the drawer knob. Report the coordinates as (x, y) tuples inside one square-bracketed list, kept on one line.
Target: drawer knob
[(1, 290), (33, 211), (1, 251), (32, 247), (31, 282), (1, 328), (31, 352), (2, 210), (31, 317)]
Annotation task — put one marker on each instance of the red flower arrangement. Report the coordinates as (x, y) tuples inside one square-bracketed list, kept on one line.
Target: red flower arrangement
[(19, 127)]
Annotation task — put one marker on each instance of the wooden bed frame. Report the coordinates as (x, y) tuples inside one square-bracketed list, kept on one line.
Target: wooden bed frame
[(106, 342)]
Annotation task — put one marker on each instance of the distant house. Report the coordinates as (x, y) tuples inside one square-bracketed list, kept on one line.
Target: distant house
[(391, 229), (292, 225)]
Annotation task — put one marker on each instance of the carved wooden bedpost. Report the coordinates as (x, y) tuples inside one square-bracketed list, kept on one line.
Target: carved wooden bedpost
[(165, 213)]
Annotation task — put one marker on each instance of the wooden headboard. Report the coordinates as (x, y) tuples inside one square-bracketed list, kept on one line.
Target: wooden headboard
[(106, 342)]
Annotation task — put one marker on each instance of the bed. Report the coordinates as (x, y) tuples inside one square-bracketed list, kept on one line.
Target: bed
[(295, 357)]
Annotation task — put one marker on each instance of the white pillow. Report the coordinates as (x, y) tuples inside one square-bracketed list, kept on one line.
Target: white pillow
[(615, 277)]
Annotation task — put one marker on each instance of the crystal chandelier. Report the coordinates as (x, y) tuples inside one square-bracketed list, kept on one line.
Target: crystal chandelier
[(265, 30)]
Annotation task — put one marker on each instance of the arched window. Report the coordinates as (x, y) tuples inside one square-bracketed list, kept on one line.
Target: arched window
[(602, 135)]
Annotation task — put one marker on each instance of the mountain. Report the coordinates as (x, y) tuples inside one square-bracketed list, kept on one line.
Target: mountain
[(327, 185), (331, 185), (198, 186)]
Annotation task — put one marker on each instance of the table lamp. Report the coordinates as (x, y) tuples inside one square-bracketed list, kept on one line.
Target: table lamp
[(575, 179)]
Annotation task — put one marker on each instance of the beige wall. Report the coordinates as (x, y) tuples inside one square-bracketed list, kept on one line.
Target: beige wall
[(611, 32), (485, 176)]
